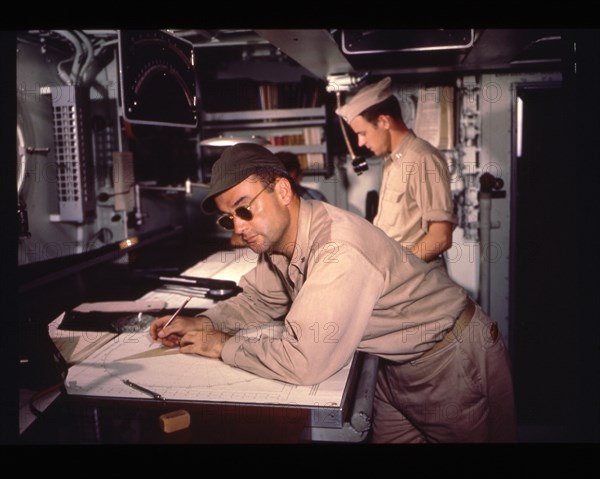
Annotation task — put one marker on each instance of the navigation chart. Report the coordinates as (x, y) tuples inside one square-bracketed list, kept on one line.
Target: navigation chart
[(188, 377)]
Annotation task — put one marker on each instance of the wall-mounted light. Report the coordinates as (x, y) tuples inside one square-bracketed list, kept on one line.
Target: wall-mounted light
[(231, 140)]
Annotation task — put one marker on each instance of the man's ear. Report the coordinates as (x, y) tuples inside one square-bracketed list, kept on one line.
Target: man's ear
[(284, 191), (383, 122)]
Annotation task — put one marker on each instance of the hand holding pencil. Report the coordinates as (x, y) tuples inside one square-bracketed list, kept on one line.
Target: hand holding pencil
[(158, 326), (177, 312), (195, 335)]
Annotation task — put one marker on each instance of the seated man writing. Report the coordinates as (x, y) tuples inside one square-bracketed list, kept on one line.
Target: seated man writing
[(329, 283)]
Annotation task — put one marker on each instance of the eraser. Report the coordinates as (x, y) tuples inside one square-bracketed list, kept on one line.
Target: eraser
[(175, 421)]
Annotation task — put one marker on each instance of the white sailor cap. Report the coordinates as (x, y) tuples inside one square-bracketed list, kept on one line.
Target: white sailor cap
[(365, 98)]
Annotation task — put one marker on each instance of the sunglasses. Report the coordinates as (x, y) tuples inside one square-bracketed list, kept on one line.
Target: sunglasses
[(243, 212)]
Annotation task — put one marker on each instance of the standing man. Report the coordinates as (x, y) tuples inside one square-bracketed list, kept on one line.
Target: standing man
[(415, 202), (444, 372)]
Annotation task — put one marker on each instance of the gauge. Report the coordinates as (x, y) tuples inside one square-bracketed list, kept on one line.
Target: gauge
[(157, 76)]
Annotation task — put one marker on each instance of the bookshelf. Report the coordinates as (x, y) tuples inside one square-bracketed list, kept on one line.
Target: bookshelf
[(300, 130)]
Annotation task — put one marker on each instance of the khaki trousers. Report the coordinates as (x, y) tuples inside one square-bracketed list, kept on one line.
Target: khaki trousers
[(461, 393)]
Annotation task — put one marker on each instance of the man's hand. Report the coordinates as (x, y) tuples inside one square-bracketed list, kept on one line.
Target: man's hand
[(172, 334), (192, 335), (206, 342)]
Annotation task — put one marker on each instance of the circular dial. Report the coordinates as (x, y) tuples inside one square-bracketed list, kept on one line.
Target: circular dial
[(157, 78)]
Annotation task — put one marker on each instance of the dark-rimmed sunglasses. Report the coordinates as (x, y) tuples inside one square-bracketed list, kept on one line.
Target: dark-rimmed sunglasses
[(243, 212)]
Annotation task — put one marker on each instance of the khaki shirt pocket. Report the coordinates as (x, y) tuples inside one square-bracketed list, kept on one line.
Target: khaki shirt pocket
[(390, 207)]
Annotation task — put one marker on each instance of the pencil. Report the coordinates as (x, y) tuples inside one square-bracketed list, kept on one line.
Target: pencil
[(177, 312)]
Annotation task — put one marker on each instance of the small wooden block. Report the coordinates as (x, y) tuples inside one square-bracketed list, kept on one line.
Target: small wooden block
[(175, 421)]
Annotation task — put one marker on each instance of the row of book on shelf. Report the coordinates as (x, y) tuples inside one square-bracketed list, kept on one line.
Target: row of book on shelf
[(309, 136), (244, 95)]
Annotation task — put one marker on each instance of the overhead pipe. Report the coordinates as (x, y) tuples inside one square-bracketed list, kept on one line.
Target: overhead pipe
[(74, 76), (89, 56)]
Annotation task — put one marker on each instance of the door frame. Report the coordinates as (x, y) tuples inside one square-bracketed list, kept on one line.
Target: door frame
[(516, 88)]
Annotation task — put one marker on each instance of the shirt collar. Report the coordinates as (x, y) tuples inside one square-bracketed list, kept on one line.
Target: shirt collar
[(302, 248), (400, 152)]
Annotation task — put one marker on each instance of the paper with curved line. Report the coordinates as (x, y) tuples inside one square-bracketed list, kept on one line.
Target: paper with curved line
[(189, 377)]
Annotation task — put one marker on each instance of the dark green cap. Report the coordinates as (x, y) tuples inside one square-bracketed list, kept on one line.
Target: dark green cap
[(236, 164)]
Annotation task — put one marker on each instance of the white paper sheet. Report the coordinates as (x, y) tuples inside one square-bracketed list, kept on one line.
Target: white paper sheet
[(188, 377), (228, 265), (174, 299)]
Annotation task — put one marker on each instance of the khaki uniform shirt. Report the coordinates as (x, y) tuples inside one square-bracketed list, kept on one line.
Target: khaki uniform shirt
[(415, 190), (348, 286)]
